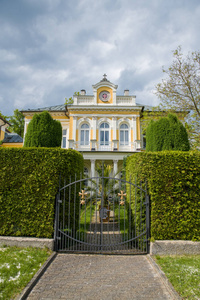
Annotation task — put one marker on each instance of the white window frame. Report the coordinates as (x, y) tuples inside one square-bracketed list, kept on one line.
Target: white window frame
[(83, 143), (64, 136), (124, 130), (104, 130)]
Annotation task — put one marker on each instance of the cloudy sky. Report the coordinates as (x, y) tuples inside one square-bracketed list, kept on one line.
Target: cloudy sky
[(51, 48)]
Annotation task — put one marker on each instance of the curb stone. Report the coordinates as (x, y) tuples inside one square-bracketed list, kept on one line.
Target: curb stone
[(164, 279), (36, 277)]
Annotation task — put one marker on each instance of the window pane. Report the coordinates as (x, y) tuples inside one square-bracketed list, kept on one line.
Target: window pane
[(82, 137), (124, 126), (126, 137), (102, 125), (86, 137), (106, 125), (64, 142), (121, 137), (85, 126), (64, 132), (106, 137), (101, 137)]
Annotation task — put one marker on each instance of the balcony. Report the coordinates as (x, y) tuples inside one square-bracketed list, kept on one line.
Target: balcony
[(114, 145)]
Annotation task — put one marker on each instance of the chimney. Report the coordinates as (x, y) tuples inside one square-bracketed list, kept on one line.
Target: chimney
[(126, 92), (83, 92)]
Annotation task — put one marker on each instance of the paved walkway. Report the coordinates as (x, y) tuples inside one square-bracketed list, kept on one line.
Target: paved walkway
[(99, 277)]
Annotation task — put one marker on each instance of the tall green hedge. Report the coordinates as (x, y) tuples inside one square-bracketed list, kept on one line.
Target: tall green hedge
[(29, 179), (167, 134), (43, 131), (174, 187)]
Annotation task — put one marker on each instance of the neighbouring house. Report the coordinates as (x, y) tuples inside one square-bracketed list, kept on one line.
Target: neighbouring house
[(7, 138), (3, 128), (103, 126), (12, 139)]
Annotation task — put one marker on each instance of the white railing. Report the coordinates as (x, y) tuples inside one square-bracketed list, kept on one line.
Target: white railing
[(125, 100), (81, 147), (104, 147), (110, 146), (85, 100)]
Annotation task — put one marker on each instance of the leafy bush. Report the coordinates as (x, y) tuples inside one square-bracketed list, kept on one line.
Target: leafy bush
[(29, 182), (43, 131), (167, 134), (174, 188)]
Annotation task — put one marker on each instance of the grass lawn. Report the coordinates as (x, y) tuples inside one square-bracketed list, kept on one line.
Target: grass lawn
[(183, 272), (17, 267)]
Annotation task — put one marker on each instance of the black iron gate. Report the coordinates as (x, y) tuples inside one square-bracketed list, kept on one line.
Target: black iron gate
[(102, 215)]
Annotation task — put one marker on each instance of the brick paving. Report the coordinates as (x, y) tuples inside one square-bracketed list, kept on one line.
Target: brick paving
[(99, 277)]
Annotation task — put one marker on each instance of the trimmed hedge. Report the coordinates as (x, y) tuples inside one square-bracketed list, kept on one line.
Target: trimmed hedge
[(167, 134), (29, 179), (174, 188), (43, 131)]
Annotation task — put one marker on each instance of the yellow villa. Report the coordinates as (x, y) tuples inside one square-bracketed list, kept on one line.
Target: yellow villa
[(103, 126)]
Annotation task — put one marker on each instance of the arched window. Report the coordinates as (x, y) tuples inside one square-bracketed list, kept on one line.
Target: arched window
[(124, 134), (104, 134), (84, 134)]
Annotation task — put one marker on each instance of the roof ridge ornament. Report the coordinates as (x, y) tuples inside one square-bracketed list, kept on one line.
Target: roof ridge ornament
[(104, 77)]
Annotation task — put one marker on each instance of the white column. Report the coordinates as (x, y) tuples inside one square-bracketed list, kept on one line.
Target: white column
[(92, 167), (74, 128), (134, 129), (75, 100), (95, 96), (114, 97), (25, 128), (114, 119), (94, 124), (115, 168)]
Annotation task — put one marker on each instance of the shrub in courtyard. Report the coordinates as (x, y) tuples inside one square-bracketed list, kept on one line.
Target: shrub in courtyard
[(167, 134), (43, 131)]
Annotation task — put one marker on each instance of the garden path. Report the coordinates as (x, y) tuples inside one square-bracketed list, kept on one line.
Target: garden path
[(99, 277)]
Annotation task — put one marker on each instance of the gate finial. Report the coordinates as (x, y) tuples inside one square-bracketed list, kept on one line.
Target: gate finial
[(82, 194), (122, 195)]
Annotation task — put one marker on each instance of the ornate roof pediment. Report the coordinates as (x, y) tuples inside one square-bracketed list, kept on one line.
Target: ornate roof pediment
[(105, 82)]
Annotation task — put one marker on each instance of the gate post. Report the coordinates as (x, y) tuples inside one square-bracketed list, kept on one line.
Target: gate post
[(147, 221), (56, 222)]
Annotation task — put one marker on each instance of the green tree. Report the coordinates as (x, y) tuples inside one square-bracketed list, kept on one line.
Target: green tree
[(17, 123), (71, 100), (3, 116), (180, 90), (167, 134), (43, 131)]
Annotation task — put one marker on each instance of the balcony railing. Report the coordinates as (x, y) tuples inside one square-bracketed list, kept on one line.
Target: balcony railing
[(107, 146)]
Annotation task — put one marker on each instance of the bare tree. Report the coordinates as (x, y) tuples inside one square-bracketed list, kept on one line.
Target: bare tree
[(180, 90)]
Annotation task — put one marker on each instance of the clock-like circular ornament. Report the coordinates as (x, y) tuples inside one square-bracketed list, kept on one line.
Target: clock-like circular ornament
[(104, 96)]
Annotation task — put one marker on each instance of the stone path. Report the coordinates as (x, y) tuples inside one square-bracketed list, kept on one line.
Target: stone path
[(99, 277)]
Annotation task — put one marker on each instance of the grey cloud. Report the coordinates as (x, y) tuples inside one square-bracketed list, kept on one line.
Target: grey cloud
[(52, 48)]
